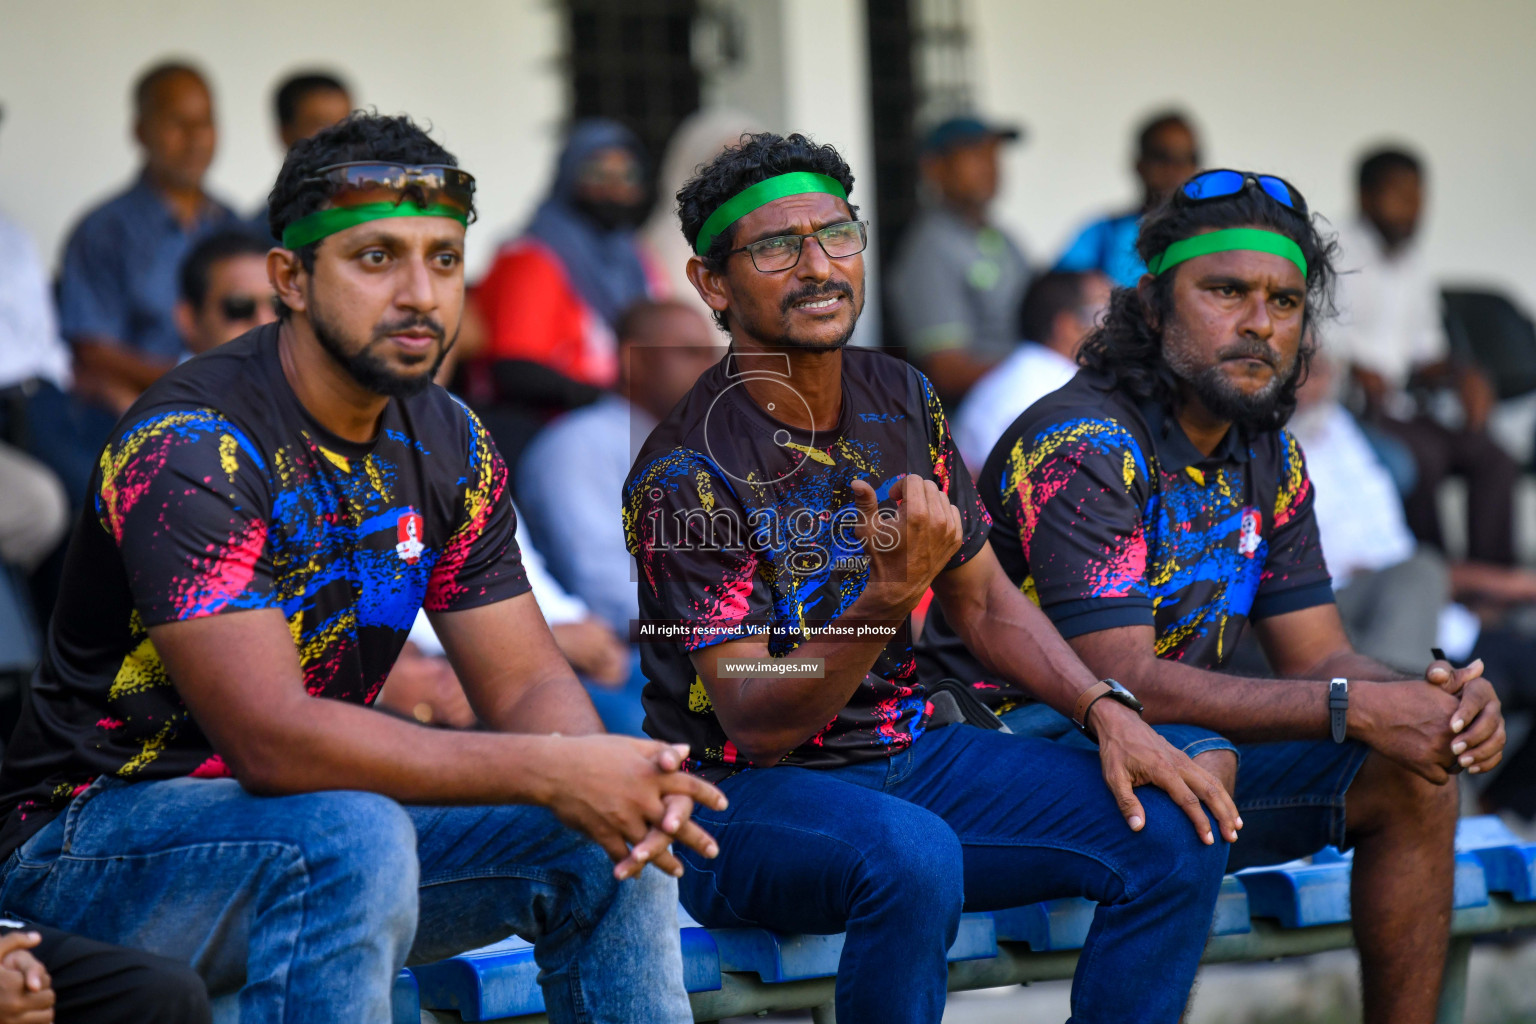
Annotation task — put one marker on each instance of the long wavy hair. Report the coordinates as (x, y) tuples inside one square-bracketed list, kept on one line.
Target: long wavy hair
[(1128, 345)]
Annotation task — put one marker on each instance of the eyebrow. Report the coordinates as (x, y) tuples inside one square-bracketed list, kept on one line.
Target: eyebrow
[(1218, 280), (789, 230)]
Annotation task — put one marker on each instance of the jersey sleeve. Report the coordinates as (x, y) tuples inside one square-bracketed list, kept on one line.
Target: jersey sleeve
[(696, 561), (1075, 493), (954, 479), (480, 563), (185, 496), (1295, 575)]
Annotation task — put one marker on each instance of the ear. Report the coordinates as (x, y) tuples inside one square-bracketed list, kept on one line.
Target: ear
[(288, 277), (186, 321), (711, 285)]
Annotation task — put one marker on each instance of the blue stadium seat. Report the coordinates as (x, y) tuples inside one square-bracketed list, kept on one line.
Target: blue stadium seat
[(502, 980), (405, 1000), (1508, 864)]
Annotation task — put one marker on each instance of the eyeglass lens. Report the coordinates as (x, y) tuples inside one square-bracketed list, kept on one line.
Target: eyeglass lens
[(783, 251)]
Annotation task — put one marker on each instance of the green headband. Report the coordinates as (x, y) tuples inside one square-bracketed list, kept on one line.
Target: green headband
[(338, 218), (794, 183), (1249, 239)]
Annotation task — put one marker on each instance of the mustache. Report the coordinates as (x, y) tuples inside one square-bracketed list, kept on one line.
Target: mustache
[(411, 323), (1250, 350), (815, 291)]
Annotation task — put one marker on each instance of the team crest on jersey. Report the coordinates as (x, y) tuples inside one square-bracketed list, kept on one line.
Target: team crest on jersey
[(408, 530), (1248, 534)]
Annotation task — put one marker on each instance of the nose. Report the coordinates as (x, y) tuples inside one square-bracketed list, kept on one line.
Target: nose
[(415, 289), (815, 264), (1256, 321)]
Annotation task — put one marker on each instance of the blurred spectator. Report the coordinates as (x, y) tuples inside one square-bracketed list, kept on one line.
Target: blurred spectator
[(1392, 594), (423, 685), (1167, 154), (1059, 311), (34, 511), (957, 280), (1390, 331), (697, 141), (571, 477), (225, 290), (117, 289), (553, 295), (305, 103), (36, 413)]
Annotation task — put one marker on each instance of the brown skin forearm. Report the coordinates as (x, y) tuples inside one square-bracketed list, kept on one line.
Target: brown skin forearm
[(952, 371), (768, 717), (1009, 635), (116, 363), (1307, 648)]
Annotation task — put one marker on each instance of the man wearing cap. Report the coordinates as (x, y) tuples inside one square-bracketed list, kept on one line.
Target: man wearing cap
[(1153, 507), (199, 772), (958, 279), (785, 518)]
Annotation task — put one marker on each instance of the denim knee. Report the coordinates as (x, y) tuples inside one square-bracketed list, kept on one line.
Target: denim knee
[(367, 844), (1169, 847), (913, 852)]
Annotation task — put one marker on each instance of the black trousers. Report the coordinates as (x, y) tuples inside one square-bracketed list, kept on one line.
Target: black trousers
[(1490, 474), (96, 983)]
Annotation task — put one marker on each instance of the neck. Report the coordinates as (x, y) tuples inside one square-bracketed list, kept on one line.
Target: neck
[(185, 203), (1203, 428), (974, 214), (325, 390), (815, 375)]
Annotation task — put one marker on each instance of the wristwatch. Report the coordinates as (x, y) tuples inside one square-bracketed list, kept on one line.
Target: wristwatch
[(1338, 708), (1103, 688)]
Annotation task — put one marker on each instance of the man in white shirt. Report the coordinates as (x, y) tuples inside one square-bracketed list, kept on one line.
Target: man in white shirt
[(571, 476), (1390, 332), (1059, 310)]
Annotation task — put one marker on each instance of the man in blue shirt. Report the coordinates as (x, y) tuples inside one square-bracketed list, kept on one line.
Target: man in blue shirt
[(117, 289), (1167, 153)]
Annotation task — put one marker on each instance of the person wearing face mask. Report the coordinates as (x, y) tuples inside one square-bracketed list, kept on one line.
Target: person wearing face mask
[(554, 294)]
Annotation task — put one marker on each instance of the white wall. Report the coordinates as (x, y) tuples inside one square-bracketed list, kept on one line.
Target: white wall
[(485, 75), (1297, 88)]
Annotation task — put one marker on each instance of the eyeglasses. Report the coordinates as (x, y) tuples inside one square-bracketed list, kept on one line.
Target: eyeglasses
[(237, 308), (361, 182), (781, 252), (1220, 184)]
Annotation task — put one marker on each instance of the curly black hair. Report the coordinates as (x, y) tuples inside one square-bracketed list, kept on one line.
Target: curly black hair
[(362, 136), (755, 158), (1128, 345)]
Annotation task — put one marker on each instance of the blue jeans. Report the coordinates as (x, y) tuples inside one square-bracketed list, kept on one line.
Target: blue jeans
[(1290, 794), (307, 906), (891, 850)]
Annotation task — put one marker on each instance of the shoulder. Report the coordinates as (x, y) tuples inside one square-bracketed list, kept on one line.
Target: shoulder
[(1086, 417), (111, 215)]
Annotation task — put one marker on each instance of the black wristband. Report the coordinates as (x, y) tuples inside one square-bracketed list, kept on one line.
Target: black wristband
[(1338, 708)]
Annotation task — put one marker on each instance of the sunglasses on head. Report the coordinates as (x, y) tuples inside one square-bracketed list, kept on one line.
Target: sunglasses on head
[(361, 182), (238, 308), (1220, 184)]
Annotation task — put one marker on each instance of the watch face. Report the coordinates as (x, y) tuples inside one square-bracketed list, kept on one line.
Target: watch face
[(1123, 695)]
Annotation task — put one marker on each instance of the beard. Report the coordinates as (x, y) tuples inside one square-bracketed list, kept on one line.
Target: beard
[(610, 216), (364, 364), (779, 335), (1254, 411)]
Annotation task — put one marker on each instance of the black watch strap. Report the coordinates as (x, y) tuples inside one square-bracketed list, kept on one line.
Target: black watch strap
[(1338, 708)]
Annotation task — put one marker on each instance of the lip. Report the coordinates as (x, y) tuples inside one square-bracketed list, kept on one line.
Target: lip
[(414, 342), (1251, 362)]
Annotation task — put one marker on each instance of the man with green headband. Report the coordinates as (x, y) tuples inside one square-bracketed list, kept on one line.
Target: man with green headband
[(200, 772), (1154, 507), (786, 518)]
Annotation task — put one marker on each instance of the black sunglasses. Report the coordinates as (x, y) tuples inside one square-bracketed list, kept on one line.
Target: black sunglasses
[(235, 308)]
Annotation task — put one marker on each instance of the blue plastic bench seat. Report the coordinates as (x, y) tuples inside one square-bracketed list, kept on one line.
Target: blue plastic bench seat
[(773, 957), (502, 980)]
